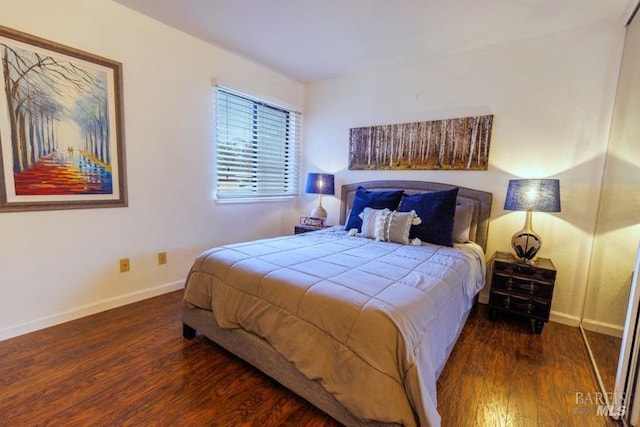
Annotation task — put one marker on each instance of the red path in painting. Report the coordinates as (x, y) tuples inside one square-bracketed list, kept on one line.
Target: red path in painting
[(63, 175)]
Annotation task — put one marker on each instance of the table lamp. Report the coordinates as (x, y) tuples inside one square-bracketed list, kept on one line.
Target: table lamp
[(320, 183), (531, 195)]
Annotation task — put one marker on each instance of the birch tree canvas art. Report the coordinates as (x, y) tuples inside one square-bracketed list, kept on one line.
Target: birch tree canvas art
[(61, 138), (451, 144)]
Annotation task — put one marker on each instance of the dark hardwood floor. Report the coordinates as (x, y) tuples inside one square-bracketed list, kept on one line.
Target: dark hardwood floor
[(502, 374), (131, 366), (606, 351)]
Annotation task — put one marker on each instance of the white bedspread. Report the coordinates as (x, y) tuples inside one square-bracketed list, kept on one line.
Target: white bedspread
[(374, 322)]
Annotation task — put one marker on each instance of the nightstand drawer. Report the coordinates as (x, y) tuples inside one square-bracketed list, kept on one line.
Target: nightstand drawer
[(530, 307), (522, 285), (542, 270)]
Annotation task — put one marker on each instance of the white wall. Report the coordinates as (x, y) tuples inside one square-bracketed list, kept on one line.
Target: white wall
[(58, 265), (551, 97)]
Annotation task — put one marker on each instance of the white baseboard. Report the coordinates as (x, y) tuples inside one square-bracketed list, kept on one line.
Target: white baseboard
[(107, 304), (89, 309), (483, 297), (565, 319), (603, 327)]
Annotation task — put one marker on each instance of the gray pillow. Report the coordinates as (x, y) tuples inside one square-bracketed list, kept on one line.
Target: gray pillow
[(462, 222)]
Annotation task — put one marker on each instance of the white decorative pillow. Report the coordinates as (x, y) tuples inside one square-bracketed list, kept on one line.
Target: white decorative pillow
[(397, 226), (372, 220)]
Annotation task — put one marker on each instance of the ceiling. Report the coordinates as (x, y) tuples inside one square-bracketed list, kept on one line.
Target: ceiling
[(311, 40)]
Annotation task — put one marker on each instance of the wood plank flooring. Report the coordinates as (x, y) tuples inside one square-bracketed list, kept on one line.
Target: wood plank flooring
[(606, 351), (502, 374), (131, 366)]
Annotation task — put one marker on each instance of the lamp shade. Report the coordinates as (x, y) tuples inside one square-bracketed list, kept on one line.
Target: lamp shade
[(535, 195), (320, 183)]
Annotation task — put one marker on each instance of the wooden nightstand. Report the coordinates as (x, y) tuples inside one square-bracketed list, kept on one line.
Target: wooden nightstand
[(299, 229), (522, 289)]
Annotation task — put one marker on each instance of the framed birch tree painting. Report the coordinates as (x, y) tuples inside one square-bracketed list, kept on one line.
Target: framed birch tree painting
[(451, 144), (61, 127)]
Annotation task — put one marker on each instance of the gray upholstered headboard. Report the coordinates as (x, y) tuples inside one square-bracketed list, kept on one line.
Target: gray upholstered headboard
[(480, 199)]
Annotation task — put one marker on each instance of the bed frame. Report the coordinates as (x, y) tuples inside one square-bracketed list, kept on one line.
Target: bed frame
[(259, 352)]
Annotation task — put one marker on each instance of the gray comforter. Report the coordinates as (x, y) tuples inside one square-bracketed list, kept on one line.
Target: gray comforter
[(373, 322)]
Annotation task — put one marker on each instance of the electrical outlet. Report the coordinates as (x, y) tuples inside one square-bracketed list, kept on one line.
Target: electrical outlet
[(124, 265), (162, 258)]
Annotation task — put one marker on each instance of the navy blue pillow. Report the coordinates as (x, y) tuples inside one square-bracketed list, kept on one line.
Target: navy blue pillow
[(374, 200), (436, 210)]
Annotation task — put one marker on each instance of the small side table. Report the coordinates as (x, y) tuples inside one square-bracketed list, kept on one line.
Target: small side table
[(523, 289)]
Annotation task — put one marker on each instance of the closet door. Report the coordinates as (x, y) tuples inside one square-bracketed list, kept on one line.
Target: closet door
[(626, 398)]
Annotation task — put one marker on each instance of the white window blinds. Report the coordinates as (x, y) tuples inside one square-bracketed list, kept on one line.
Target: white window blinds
[(256, 147)]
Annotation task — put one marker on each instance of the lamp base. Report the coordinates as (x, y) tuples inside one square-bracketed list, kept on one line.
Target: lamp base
[(319, 212), (526, 244)]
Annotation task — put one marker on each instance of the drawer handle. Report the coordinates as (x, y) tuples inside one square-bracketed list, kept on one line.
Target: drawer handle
[(507, 302), (509, 283), (525, 307), (531, 287)]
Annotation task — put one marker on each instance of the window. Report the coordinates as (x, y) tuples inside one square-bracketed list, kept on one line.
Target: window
[(256, 147)]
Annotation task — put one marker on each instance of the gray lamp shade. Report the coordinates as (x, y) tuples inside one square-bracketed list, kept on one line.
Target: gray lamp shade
[(320, 183), (535, 195)]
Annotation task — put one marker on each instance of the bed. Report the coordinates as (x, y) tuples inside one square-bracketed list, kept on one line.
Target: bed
[(359, 327)]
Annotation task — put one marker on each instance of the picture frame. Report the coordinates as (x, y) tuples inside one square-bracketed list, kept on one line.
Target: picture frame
[(61, 127), (312, 221), (450, 144)]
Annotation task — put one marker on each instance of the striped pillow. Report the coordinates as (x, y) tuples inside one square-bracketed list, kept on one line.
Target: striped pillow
[(396, 228)]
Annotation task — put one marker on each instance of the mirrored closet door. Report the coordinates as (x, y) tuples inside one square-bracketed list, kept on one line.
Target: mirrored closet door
[(618, 223)]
